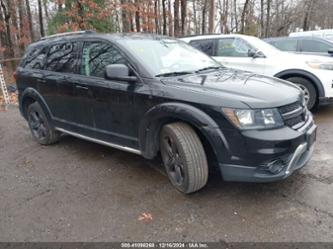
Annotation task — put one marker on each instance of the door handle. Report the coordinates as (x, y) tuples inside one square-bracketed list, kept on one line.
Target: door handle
[(82, 87)]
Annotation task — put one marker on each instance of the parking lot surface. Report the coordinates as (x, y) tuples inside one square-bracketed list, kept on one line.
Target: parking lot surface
[(80, 191)]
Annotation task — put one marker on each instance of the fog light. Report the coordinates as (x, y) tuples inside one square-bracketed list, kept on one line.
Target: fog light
[(276, 165)]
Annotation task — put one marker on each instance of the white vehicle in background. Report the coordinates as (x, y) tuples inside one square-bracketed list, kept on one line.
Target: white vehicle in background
[(313, 74), (324, 33)]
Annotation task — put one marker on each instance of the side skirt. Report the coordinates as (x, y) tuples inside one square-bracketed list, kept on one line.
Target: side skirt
[(116, 146)]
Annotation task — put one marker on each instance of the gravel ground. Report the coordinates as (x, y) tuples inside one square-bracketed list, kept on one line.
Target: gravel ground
[(80, 191)]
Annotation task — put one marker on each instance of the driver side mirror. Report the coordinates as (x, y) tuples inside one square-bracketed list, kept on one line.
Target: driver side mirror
[(119, 72), (330, 51), (255, 54)]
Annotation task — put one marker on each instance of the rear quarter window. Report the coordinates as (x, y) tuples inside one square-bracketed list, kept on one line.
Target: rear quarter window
[(34, 58)]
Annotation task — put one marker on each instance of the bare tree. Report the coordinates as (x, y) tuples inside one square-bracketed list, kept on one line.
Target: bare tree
[(211, 23), (176, 18), (164, 17), (40, 17), (183, 14), (308, 10), (262, 23), (6, 10), (203, 21), (245, 8), (124, 18), (137, 16), (268, 16)]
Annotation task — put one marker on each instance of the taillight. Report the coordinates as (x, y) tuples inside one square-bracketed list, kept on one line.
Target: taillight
[(14, 75)]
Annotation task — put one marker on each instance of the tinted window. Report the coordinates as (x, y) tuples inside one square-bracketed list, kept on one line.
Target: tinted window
[(35, 58), (233, 47), (62, 57), (315, 46), (97, 55), (205, 46), (286, 45)]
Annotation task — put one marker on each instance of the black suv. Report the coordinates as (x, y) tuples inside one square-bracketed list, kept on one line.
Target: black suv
[(148, 94)]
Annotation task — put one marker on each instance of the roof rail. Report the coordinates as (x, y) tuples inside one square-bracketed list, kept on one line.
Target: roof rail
[(68, 34), (188, 36)]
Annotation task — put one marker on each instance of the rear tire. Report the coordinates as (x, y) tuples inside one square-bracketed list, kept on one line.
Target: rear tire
[(184, 157), (39, 125), (308, 89)]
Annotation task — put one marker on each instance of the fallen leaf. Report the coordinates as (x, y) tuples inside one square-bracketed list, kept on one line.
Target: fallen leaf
[(145, 217)]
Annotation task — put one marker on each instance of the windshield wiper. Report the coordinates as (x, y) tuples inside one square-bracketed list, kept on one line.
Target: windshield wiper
[(207, 68), (173, 74)]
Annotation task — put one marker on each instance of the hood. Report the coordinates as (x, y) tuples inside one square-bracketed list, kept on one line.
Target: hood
[(256, 91)]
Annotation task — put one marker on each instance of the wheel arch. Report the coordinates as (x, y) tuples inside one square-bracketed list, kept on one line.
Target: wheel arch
[(165, 113), (29, 96), (303, 74)]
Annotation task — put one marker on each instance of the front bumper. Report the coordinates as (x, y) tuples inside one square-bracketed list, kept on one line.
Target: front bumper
[(271, 158)]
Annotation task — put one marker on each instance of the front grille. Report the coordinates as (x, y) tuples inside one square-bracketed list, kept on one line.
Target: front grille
[(294, 115), (289, 108)]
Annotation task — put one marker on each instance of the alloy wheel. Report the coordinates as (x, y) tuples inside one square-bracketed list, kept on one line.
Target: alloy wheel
[(173, 161)]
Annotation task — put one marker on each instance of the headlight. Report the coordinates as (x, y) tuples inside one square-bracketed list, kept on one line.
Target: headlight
[(254, 119), (320, 65)]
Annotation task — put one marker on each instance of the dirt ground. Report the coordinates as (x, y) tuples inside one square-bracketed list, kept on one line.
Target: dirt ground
[(80, 191)]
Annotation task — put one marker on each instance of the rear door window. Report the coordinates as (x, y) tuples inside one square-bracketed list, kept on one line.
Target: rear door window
[(63, 57), (206, 46), (97, 55), (314, 46)]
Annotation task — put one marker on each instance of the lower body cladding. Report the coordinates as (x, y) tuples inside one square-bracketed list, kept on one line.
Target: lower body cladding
[(269, 155)]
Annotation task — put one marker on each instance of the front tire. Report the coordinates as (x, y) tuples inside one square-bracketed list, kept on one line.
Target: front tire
[(184, 157), (308, 89), (39, 125)]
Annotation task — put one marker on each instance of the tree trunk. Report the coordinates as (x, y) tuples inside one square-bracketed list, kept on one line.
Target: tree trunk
[(31, 30), (21, 30), (211, 16), (262, 24), (243, 16), (183, 15), (308, 11), (268, 15), (40, 16), (6, 9), (137, 16), (125, 22), (156, 16), (196, 29), (203, 21), (235, 14), (176, 18), (46, 11), (164, 18), (3, 41), (170, 19)]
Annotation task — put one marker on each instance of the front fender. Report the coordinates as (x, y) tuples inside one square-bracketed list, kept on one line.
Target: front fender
[(162, 114)]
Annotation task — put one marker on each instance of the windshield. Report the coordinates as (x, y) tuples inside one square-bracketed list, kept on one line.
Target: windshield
[(264, 47), (167, 56)]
